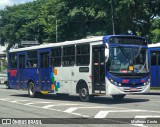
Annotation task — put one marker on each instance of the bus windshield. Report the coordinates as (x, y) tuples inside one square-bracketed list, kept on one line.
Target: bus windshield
[(127, 60)]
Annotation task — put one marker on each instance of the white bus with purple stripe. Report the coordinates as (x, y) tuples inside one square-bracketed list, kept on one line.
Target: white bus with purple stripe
[(116, 65)]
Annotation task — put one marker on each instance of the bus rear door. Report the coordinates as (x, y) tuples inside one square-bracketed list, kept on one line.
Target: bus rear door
[(21, 70), (44, 70)]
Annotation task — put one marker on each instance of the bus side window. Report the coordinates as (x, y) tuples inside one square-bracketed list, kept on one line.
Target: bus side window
[(153, 58), (82, 54), (68, 55), (32, 59), (56, 56), (12, 60), (21, 61)]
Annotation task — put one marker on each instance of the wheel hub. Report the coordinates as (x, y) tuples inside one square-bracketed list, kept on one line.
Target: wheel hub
[(84, 92)]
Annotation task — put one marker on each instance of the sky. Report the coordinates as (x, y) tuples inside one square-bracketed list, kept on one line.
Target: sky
[(4, 3)]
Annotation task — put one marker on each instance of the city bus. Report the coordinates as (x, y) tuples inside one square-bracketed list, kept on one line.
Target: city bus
[(154, 62), (113, 65)]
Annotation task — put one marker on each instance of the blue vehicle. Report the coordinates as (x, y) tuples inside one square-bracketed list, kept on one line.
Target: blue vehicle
[(116, 65), (154, 61)]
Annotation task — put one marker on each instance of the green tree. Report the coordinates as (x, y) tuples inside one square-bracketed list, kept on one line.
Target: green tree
[(76, 19)]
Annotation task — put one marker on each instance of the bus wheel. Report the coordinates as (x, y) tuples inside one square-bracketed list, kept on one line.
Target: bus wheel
[(118, 97), (84, 94), (31, 89)]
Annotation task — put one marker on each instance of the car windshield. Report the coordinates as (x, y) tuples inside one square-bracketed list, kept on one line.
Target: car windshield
[(127, 60)]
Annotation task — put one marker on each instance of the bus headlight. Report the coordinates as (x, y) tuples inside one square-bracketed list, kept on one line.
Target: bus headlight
[(120, 84), (111, 80), (114, 82), (145, 84)]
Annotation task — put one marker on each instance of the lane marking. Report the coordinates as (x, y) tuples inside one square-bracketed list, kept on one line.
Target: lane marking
[(4, 99), (100, 107), (103, 114), (55, 110), (13, 101), (48, 106), (23, 100), (28, 104), (37, 103), (70, 110), (62, 104), (156, 101), (66, 104)]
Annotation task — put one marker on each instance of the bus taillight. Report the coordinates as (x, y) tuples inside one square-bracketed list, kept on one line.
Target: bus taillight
[(90, 76)]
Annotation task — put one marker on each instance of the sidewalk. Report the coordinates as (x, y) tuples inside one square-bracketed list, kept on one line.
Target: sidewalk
[(154, 92)]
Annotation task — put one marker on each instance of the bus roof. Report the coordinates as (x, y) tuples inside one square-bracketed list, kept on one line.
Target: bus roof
[(154, 45), (87, 40), (122, 35), (94, 39)]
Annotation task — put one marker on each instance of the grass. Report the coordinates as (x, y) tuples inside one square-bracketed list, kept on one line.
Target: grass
[(155, 88)]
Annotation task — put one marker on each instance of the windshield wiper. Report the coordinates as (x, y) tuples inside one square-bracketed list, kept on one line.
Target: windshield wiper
[(124, 52), (139, 50)]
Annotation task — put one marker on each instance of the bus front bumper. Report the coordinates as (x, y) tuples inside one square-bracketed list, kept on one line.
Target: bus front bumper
[(112, 89)]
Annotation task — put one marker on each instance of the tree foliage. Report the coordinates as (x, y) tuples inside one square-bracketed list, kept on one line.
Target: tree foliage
[(38, 20)]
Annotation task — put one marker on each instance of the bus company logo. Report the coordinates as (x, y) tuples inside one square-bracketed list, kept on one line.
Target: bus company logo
[(6, 121)]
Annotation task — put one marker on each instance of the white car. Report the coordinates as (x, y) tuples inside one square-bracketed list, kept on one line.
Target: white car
[(3, 78)]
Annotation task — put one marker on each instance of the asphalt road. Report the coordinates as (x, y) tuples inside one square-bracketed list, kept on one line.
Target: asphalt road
[(17, 104)]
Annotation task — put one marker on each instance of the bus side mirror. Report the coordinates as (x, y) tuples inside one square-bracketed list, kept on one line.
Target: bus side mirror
[(106, 54)]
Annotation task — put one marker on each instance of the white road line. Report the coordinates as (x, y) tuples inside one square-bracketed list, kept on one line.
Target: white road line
[(70, 110), (54, 110), (23, 100), (37, 103), (100, 107), (103, 114), (28, 103), (156, 101), (80, 115), (4, 99), (48, 106), (66, 104), (13, 101)]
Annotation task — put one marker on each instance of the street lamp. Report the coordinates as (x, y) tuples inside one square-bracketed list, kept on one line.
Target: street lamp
[(112, 8)]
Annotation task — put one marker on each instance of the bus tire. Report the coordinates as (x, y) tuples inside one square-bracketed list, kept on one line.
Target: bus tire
[(84, 93), (31, 90), (118, 97)]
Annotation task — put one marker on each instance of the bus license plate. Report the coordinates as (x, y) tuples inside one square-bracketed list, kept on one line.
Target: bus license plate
[(133, 89)]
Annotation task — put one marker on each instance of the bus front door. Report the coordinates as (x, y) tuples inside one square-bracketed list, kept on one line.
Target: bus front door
[(98, 66), (44, 71), (21, 71)]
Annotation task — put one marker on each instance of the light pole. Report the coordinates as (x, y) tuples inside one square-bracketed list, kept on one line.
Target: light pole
[(112, 8), (56, 32)]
